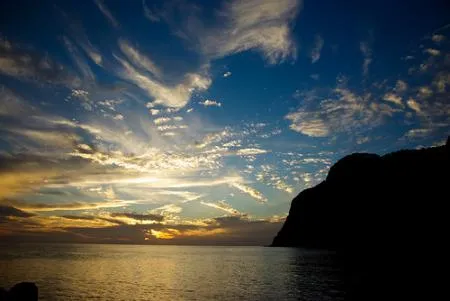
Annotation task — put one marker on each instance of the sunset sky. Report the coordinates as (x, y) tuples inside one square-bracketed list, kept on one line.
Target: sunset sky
[(198, 122)]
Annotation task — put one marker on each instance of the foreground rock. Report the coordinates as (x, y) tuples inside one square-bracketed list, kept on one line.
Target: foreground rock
[(24, 291), (387, 215)]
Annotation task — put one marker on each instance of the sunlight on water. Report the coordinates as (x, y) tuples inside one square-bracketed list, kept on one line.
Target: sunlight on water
[(130, 272)]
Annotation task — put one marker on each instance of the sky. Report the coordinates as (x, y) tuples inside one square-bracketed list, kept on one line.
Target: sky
[(179, 122)]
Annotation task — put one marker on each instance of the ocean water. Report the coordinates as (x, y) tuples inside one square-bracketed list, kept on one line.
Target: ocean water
[(132, 272)]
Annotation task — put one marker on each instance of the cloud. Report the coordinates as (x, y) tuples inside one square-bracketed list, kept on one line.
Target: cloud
[(227, 74), (222, 205), (168, 134), (317, 48), (138, 59), (7, 211), (367, 54), (12, 105), (82, 40), (414, 105), (154, 111), (51, 139), (362, 140), (171, 127), (210, 103), (104, 227), (92, 52), (425, 92), (83, 97), (187, 196), (46, 207), (441, 81), (401, 86), (227, 230), (417, 133), (214, 137), (250, 151), (269, 176), (118, 117), (139, 217), (262, 25), (19, 62), (79, 60), (391, 97), (308, 124), (107, 13), (339, 110), (170, 96), (170, 208), (437, 38), (433, 52), (152, 182), (164, 120), (149, 14), (250, 191)]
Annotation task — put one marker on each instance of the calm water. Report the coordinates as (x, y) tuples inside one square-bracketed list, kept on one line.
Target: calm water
[(129, 272)]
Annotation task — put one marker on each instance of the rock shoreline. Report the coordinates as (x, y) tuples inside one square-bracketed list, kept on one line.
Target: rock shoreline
[(23, 291)]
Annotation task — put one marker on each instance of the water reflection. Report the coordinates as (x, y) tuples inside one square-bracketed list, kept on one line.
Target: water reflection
[(123, 272)]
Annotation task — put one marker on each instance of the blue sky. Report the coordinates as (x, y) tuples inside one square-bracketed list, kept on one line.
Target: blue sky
[(198, 122)]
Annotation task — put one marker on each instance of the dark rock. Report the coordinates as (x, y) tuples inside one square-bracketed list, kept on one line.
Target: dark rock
[(380, 196), (3, 294), (387, 214), (24, 291)]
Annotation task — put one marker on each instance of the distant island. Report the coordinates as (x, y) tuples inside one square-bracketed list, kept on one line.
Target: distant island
[(386, 214)]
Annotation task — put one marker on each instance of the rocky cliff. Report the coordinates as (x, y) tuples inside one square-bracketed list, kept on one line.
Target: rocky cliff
[(368, 199), (387, 215)]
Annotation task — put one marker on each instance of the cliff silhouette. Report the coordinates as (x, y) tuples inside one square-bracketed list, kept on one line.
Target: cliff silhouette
[(368, 199), (385, 214)]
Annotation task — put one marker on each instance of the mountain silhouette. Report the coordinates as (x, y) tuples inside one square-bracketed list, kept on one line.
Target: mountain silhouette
[(387, 216)]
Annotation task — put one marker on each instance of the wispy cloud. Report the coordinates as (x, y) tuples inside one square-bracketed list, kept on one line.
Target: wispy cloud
[(433, 52), (107, 13), (401, 86), (260, 25), (367, 55), (250, 151), (393, 98), (337, 111), (138, 216), (46, 207), (149, 14), (19, 62), (210, 103), (269, 176), (258, 196), (414, 133), (170, 96), (438, 38), (79, 61), (414, 105), (308, 124), (222, 205), (138, 59), (317, 48)]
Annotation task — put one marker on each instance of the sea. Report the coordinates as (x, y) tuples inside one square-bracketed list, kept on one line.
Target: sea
[(144, 272)]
